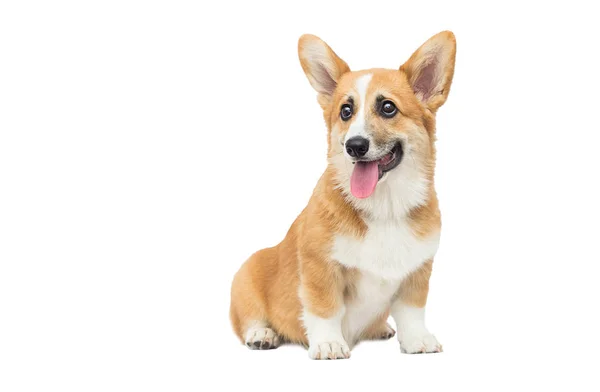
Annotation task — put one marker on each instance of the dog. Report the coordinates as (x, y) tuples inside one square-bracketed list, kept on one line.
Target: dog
[(362, 249)]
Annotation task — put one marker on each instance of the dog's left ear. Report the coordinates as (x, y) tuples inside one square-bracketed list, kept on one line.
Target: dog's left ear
[(431, 68)]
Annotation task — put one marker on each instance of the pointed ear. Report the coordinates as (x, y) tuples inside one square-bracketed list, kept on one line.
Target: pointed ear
[(430, 69), (322, 66)]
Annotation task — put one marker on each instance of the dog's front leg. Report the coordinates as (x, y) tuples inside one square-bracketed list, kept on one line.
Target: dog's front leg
[(408, 311), (322, 296)]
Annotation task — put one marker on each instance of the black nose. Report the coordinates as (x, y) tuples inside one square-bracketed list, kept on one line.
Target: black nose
[(357, 146)]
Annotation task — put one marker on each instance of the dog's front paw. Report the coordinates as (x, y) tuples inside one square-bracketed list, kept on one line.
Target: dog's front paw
[(419, 342), (329, 350)]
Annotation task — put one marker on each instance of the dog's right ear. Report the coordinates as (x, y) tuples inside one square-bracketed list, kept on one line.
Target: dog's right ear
[(322, 66)]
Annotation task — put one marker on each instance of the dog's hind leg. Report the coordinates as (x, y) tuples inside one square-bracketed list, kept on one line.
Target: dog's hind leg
[(248, 312)]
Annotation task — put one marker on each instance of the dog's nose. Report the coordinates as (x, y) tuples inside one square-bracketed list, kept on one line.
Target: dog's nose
[(357, 146)]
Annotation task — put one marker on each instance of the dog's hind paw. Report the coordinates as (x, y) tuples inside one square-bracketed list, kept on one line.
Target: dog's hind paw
[(260, 338), (387, 333)]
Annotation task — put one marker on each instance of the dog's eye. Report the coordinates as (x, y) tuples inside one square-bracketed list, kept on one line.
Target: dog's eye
[(346, 112), (388, 109)]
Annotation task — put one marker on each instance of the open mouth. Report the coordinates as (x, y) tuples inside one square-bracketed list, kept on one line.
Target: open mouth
[(366, 174), (390, 160)]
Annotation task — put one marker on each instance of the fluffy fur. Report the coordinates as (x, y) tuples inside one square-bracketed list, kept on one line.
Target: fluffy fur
[(347, 263)]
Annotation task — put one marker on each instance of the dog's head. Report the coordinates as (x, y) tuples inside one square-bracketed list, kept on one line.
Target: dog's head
[(381, 122)]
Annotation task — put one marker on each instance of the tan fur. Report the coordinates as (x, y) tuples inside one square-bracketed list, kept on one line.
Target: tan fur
[(426, 218), (268, 287), (414, 289)]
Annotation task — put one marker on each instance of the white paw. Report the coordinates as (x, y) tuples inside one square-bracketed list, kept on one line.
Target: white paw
[(419, 342), (259, 338), (329, 350)]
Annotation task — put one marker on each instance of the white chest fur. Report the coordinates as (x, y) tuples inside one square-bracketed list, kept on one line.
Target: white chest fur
[(389, 250), (372, 298), (386, 255)]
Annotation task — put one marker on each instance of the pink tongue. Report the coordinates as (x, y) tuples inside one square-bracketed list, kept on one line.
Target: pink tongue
[(364, 179)]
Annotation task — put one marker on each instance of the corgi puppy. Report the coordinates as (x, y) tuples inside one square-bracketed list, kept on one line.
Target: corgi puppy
[(363, 247)]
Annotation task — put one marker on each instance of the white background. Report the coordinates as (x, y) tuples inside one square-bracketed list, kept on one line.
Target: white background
[(148, 148)]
